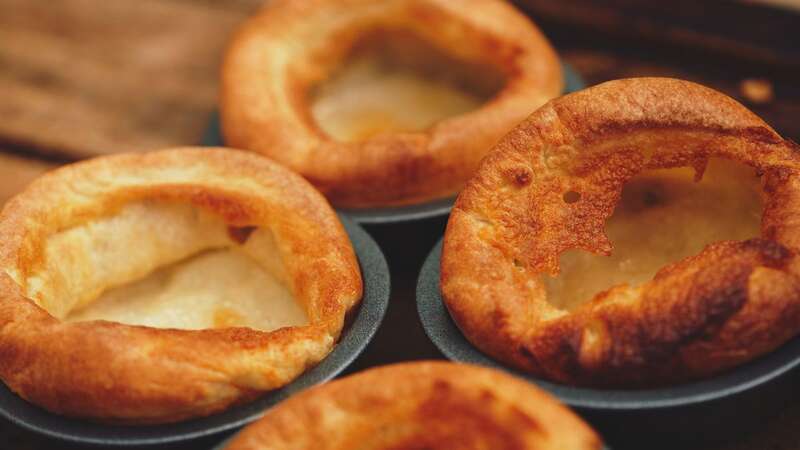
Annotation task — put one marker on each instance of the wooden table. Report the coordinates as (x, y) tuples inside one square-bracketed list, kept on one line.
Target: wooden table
[(89, 77)]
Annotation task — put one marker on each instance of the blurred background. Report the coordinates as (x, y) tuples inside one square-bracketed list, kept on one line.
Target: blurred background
[(80, 78)]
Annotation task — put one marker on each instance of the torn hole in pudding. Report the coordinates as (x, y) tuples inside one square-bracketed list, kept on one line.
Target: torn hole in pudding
[(394, 81), (663, 216), (165, 265), (571, 197)]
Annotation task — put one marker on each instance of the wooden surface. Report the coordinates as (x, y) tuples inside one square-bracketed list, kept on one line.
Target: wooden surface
[(712, 25), (17, 171), (90, 77)]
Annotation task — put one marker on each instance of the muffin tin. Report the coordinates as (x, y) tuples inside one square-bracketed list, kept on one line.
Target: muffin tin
[(397, 214), (354, 339), (702, 411)]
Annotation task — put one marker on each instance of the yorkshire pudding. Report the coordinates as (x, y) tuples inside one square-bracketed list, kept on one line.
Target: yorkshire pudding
[(383, 103), (419, 405), (552, 185), (109, 307)]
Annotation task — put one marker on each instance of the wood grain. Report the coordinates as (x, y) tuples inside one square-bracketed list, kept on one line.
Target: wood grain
[(16, 172), (770, 34), (88, 77)]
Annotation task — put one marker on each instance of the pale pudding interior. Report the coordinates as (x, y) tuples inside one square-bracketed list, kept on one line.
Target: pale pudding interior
[(663, 217), (165, 265), (395, 82)]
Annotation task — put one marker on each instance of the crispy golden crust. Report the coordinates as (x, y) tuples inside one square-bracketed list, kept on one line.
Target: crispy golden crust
[(419, 405), (115, 372), (727, 305), (282, 51)]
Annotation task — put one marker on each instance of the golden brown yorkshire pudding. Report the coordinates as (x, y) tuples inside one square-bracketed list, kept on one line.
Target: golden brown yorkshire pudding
[(548, 189), (155, 287), (383, 102), (420, 405)]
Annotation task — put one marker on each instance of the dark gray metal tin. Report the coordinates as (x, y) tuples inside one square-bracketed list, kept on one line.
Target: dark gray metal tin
[(702, 411), (397, 214), (354, 339), (223, 444)]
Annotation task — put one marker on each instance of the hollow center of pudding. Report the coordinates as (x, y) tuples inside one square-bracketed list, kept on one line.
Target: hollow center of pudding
[(215, 289), (663, 216), (165, 265), (397, 82)]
